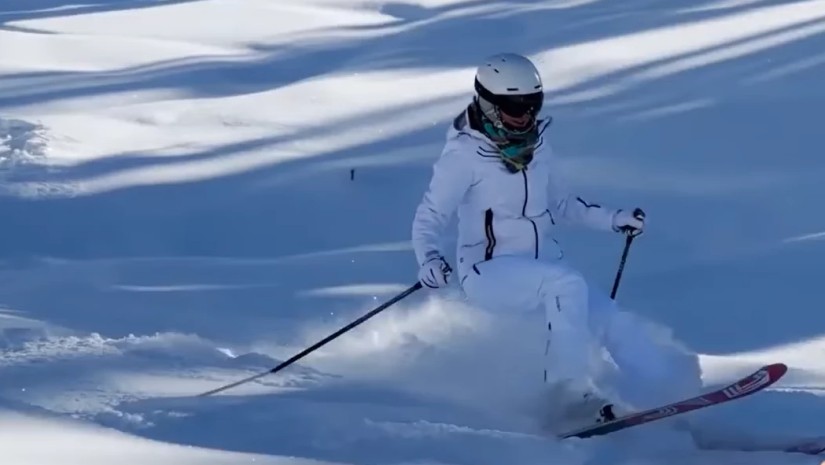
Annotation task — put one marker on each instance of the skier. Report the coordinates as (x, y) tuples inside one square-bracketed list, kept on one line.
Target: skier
[(498, 172)]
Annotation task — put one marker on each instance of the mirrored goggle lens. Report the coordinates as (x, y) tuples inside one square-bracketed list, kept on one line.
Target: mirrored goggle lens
[(519, 105)]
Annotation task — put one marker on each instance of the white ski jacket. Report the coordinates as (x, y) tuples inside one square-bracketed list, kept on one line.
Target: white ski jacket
[(499, 212)]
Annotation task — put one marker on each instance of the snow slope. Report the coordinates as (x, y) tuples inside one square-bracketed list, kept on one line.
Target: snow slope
[(195, 190)]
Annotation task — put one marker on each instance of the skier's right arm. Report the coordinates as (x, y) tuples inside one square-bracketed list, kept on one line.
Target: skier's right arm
[(452, 176)]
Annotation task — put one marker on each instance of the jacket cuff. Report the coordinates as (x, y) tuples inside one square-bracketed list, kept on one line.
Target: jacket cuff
[(432, 254)]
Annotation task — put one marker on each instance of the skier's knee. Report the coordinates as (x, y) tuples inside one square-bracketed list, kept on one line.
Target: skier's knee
[(566, 301), (572, 283)]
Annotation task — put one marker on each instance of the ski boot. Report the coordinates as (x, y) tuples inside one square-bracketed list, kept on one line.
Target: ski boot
[(577, 410), (606, 414)]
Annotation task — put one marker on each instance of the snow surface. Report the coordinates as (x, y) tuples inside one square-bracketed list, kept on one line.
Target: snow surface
[(180, 211)]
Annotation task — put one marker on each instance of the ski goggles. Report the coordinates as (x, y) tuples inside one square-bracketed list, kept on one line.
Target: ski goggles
[(515, 111)]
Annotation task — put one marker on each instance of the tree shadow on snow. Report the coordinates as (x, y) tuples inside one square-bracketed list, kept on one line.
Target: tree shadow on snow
[(466, 32), (25, 10), (696, 138), (349, 423), (648, 117)]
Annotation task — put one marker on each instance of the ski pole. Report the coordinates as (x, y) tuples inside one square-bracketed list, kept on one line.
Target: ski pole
[(320, 343), (639, 214), (627, 243)]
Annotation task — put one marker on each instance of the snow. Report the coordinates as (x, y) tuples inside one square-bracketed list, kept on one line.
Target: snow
[(193, 191)]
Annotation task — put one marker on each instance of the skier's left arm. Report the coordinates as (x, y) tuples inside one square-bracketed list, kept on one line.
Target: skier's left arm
[(573, 208)]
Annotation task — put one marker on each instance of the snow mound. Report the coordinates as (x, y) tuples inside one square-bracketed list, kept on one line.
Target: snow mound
[(73, 442), (21, 142), (24, 152), (101, 372)]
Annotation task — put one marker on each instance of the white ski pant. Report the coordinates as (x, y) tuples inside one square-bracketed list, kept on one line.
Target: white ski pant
[(577, 330), (516, 284)]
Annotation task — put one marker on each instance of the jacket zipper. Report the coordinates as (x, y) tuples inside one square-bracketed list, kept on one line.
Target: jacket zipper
[(488, 231), (524, 214)]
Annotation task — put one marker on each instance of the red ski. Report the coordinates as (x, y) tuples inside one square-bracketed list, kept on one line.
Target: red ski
[(755, 382)]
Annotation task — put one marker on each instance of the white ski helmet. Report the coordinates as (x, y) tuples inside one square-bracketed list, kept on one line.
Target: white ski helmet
[(509, 92)]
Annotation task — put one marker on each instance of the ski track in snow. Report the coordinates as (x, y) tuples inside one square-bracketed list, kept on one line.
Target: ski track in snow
[(188, 203)]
